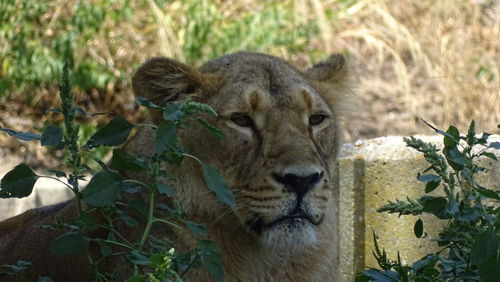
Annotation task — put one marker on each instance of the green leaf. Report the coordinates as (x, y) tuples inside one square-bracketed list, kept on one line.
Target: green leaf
[(106, 249), (141, 101), (45, 279), (489, 193), (104, 189), (432, 204), (429, 178), (166, 137), (129, 221), (112, 134), (471, 134), (212, 129), (69, 243), (455, 158), (51, 136), (121, 160), (211, 259), (418, 229), (165, 189), (431, 186), (489, 155), (218, 185), (381, 275), (196, 228), (24, 136), (18, 183), (428, 260), (452, 138), (172, 112), (485, 245), (137, 258)]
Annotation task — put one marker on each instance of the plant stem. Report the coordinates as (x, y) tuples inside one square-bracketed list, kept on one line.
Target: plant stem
[(147, 229)]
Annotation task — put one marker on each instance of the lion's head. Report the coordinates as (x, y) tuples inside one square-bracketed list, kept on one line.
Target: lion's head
[(282, 139)]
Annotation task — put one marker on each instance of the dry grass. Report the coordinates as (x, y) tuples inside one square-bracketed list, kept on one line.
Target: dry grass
[(433, 59)]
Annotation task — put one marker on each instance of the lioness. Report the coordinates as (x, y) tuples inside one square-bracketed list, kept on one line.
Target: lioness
[(278, 158)]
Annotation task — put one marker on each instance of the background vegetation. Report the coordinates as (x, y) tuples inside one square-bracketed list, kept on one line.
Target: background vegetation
[(432, 59)]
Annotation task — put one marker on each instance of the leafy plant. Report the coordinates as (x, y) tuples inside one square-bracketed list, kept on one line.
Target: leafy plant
[(470, 249), (106, 203)]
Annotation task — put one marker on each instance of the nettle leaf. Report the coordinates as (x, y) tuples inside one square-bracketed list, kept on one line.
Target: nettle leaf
[(212, 129), (211, 259), (191, 108), (485, 246), (381, 275), (431, 180), (112, 134), (166, 137), (104, 189), (122, 160), (196, 228), (51, 136), (427, 261), (24, 136), (58, 173), (418, 228), (218, 185), (18, 183), (69, 243)]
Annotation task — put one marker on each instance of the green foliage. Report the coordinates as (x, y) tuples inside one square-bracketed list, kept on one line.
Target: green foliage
[(470, 240), (105, 197)]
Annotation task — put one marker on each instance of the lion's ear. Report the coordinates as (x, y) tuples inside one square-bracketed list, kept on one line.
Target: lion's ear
[(162, 79), (331, 79)]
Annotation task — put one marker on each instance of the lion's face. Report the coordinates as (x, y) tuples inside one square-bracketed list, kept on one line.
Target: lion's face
[(282, 137)]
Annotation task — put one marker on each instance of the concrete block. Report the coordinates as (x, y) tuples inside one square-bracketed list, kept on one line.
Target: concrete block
[(372, 172)]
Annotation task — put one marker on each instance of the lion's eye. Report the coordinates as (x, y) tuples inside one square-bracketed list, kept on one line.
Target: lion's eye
[(242, 119), (316, 119)]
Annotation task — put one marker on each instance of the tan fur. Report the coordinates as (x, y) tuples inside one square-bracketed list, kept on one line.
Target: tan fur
[(279, 99)]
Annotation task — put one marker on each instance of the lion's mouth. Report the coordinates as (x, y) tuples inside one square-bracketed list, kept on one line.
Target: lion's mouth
[(292, 219)]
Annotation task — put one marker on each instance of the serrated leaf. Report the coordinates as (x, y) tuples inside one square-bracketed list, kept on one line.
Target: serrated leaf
[(218, 185), (51, 136), (418, 228), (122, 160), (211, 259), (196, 228), (212, 129), (166, 137), (112, 134), (69, 243), (18, 183), (24, 136), (104, 189), (485, 245), (165, 189)]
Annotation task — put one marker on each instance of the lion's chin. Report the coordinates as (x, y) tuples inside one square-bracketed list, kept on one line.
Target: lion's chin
[(289, 236)]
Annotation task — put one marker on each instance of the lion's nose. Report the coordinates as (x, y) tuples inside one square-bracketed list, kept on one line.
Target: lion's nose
[(298, 184)]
